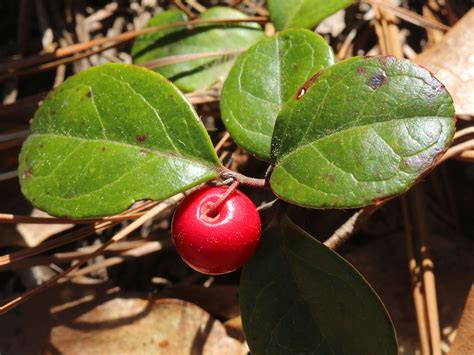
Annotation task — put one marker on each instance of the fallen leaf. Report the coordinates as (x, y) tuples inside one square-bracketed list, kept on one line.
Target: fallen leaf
[(138, 326), (34, 234), (383, 262), (235, 329), (98, 319), (464, 341), (452, 62), (28, 234)]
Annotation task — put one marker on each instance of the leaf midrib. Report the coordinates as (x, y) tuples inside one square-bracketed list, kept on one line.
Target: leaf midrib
[(302, 146), (108, 141)]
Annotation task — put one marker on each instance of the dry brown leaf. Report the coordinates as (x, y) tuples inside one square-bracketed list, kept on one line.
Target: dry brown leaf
[(383, 262), (29, 235), (452, 62), (235, 329), (27, 328), (138, 326), (34, 234), (98, 319), (464, 341)]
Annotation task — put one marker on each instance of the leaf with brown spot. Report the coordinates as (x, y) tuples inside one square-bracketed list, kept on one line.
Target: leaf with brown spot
[(371, 124), (136, 137), (263, 79)]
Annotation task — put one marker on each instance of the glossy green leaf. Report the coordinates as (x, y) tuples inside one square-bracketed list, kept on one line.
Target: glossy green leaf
[(110, 136), (200, 73), (299, 297), (263, 78), (362, 130), (303, 13)]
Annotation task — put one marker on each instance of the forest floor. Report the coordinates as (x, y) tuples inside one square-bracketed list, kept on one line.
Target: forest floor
[(432, 224)]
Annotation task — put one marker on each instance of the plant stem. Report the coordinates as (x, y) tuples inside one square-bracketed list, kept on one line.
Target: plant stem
[(345, 231), (267, 205), (243, 179), (213, 210)]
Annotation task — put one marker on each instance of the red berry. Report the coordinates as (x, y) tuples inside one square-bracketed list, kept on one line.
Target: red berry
[(219, 243)]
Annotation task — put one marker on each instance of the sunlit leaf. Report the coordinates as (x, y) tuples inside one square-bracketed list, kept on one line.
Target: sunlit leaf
[(263, 78), (362, 130), (110, 136), (303, 13)]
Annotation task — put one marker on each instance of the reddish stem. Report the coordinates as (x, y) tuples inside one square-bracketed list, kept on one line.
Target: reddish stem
[(213, 210), (243, 179)]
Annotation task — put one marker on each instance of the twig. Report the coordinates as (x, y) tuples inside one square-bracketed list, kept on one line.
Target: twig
[(457, 149), (14, 135), (55, 63), (344, 52), (101, 14), (14, 218), (8, 176), (255, 7), (67, 238), (408, 15), (427, 266), (197, 6), (188, 12), (13, 66), (63, 257), (221, 143), (467, 155), (117, 237), (150, 65), (344, 232), (464, 132), (148, 248), (388, 33), (416, 283), (172, 59), (267, 205)]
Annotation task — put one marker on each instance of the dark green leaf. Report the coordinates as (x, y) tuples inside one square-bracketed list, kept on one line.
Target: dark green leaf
[(211, 38), (263, 78), (303, 13), (361, 130), (299, 297), (109, 136)]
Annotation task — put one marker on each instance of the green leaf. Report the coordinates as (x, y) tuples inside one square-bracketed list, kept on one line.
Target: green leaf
[(206, 38), (303, 13), (110, 136), (299, 297), (263, 78), (362, 130)]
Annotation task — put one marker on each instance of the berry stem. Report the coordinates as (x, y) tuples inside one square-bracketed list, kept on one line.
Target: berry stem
[(212, 211), (243, 179)]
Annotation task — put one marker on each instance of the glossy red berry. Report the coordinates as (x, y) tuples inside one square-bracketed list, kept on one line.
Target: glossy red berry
[(216, 243)]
